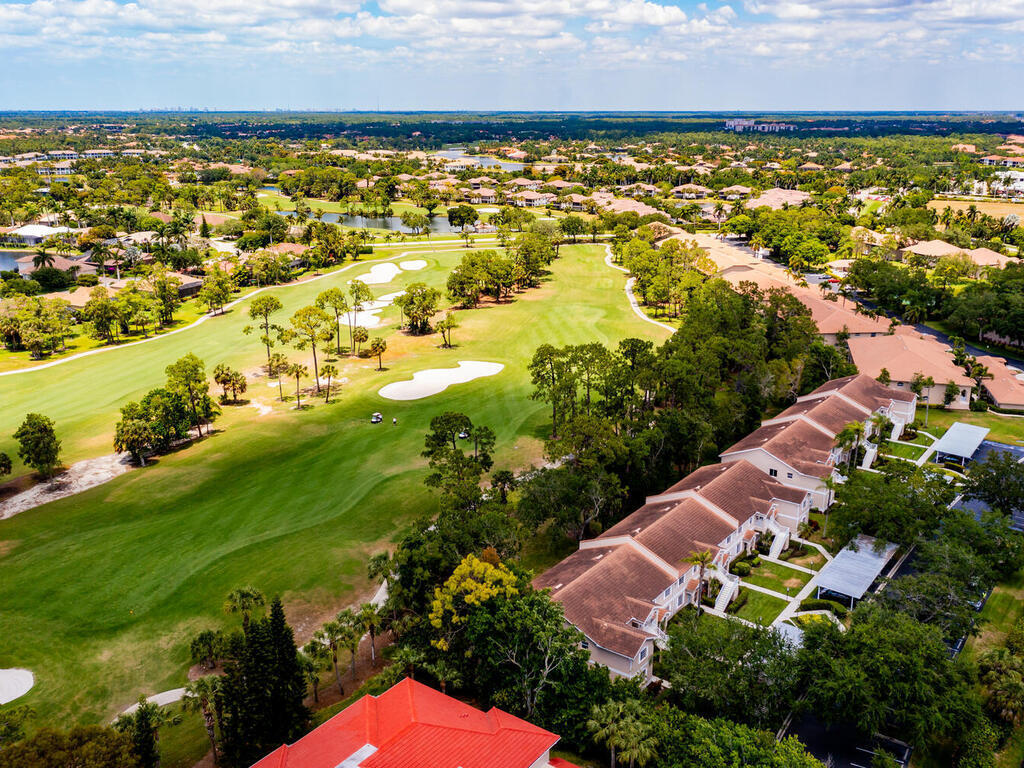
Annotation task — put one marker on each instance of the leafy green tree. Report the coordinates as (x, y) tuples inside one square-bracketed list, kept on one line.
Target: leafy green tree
[(419, 305), (206, 647), (360, 336), (133, 435), (899, 504), (142, 726), (887, 671), (445, 326), (370, 622), (260, 310), (38, 445), (334, 299), (729, 669), (360, 293), (310, 326), (84, 746), (998, 480), (334, 636), (187, 376), (572, 226), (12, 725)]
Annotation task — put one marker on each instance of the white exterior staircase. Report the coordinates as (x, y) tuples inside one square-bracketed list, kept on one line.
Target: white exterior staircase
[(870, 452), (730, 586)]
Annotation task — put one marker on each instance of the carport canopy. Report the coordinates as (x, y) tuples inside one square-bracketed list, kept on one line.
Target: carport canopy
[(961, 440)]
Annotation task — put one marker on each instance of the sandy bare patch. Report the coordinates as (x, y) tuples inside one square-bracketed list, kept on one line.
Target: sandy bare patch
[(15, 683), (413, 265), (435, 380), (262, 408), (80, 476)]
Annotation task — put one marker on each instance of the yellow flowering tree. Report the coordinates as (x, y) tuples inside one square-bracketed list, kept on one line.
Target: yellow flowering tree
[(473, 582)]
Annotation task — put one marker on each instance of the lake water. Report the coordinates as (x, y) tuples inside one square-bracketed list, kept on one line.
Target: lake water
[(438, 224), (456, 153), (7, 258)]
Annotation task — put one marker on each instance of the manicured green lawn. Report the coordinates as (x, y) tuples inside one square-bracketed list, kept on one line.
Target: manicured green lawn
[(760, 607), (101, 591), (777, 577), (910, 452), (80, 341), (1004, 429)]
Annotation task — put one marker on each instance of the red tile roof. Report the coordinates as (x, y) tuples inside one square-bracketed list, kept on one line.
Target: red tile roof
[(413, 726)]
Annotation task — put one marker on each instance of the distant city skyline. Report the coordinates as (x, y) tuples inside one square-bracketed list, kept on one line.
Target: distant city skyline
[(759, 55)]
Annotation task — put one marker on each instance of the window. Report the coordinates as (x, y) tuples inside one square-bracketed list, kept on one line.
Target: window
[(643, 653), (773, 473), (789, 475), (584, 645), (899, 383)]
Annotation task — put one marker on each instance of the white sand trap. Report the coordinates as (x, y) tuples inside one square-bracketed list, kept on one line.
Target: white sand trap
[(367, 316), (487, 210), (14, 683), (412, 266), (435, 380), (380, 273), (80, 476)]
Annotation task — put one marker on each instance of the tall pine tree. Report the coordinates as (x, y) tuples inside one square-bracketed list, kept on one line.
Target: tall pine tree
[(262, 690)]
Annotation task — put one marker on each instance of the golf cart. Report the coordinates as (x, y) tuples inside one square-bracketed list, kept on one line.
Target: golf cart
[(377, 418)]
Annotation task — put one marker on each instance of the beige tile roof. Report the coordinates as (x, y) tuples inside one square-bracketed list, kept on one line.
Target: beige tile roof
[(903, 355), (795, 443)]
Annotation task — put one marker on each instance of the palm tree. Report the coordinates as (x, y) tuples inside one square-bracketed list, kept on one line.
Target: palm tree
[(333, 636), (702, 560), (719, 213), (328, 372), (352, 625), (42, 258), (298, 370), (370, 622), (849, 438), (244, 600), (444, 672), (639, 745), (100, 255), (200, 697), (606, 723)]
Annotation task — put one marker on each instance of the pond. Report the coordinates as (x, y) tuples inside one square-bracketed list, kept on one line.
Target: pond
[(457, 153), (438, 224), (7, 258)]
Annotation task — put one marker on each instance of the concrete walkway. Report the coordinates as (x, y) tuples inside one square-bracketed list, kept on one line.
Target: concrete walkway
[(161, 699), (608, 259), (786, 564)]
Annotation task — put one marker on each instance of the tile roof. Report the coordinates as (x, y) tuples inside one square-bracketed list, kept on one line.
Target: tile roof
[(738, 488), (862, 389), (903, 355), (602, 588), (411, 726), (796, 443)]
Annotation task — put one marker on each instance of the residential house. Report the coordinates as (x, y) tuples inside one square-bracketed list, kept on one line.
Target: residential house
[(34, 234), (576, 202), (931, 250), (25, 265), (778, 198), (483, 196), (735, 192), (412, 725), (905, 354), (1005, 387), (621, 588), (691, 191), (531, 199), (798, 447), (521, 183)]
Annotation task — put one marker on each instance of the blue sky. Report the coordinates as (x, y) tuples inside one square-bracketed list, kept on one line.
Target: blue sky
[(512, 54)]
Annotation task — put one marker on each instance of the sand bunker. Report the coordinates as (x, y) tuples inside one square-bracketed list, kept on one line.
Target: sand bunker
[(79, 477), (14, 683), (413, 265), (380, 273), (435, 380)]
